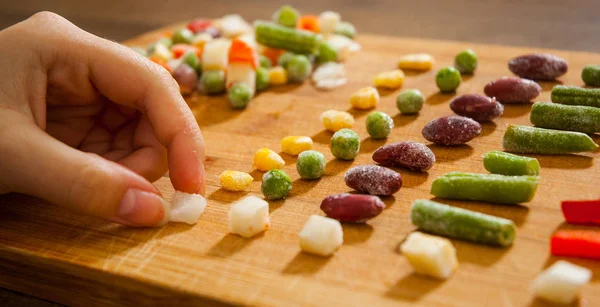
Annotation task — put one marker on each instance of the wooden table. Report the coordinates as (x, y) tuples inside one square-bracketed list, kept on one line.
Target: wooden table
[(75, 260)]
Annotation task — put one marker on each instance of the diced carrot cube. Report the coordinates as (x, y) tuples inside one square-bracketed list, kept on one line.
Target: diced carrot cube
[(309, 23), (241, 52), (273, 54)]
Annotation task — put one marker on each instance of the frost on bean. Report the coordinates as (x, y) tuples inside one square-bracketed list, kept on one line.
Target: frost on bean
[(411, 155), (512, 90), (352, 208), (373, 179), (538, 66), (451, 130)]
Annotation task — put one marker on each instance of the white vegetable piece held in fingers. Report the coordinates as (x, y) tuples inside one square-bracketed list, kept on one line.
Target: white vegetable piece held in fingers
[(186, 208)]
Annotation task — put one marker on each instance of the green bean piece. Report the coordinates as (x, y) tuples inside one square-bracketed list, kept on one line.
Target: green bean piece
[(576, 95), (523, 139), (565, 117), (281, 37), (462, 224), (485, 187), (590, 75), (183, 36), (504, 163)]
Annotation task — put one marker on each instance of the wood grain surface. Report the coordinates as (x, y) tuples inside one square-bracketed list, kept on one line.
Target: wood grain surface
[(76, 260)]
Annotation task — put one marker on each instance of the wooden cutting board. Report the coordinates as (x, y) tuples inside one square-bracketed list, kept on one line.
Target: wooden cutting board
[(76, 260)]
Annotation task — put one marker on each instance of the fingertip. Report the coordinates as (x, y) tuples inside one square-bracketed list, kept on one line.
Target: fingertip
[(186, 164)]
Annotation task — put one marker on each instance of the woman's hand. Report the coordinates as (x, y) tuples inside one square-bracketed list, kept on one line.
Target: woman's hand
[(88, 124)]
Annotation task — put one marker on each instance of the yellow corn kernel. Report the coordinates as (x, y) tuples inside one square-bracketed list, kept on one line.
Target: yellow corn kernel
[(266, 159), (235, 181), (294, 145), (334, 120), (277, 76), (390, 79), (416, 61), (365, 98)]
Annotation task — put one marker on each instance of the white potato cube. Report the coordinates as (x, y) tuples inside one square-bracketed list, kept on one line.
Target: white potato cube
[(233, 25), (187, 208), (430, 255), (249, 39), (328, 20), (561, 282), (249, 216), (321, 235), (241, 72), (215, 54)]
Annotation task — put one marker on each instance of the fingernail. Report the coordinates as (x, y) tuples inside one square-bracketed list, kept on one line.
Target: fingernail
[(143, 208)]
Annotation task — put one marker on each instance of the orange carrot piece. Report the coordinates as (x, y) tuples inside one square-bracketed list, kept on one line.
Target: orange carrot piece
[(241, 52), (309, 23), (180, 49), (273, 54)]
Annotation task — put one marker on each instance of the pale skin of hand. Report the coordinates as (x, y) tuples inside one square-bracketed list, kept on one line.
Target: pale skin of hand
[(88, 124)]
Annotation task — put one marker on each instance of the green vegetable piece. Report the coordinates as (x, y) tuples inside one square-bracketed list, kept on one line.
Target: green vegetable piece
[(192, 60), (310, 164), (140, 50), (345, 144), (276, 184), (183, 36), (264, 61), (485, 187), (286, 16), (298, 68), (346, 29), (504, 163), (284, 59), (448, 79), (280, 37), (163, 41), (239, 95), (379, 125), (523, 139), (565, 117), (213, 82), (410, 101), (591, 75), (466, 61), (576, 95), (326, 53), (462, 224), (262, 79)]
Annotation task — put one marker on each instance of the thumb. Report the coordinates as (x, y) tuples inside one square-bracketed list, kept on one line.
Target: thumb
[(42, 166)]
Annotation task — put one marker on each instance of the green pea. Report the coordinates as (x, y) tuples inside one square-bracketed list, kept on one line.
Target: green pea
[(262, 78), (283, 59), (591, 75), (239, 95), (379, 125), (310, 164), (345, 144), (182, 36), (286, 16), (213, 82), (276, 184), (298, 68), (447, 79), (346, 29), (466, 61), (410, 101), (326, 53), (264, 61), (192, 60)]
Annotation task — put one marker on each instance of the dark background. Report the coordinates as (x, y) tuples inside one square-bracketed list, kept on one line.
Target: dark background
[(572, 25)]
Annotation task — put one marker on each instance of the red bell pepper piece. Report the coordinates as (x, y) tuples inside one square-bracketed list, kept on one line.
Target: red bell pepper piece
[(241, 52), (581, 211), (199, 25), (309, 23), (576, 243), (180, 49)]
